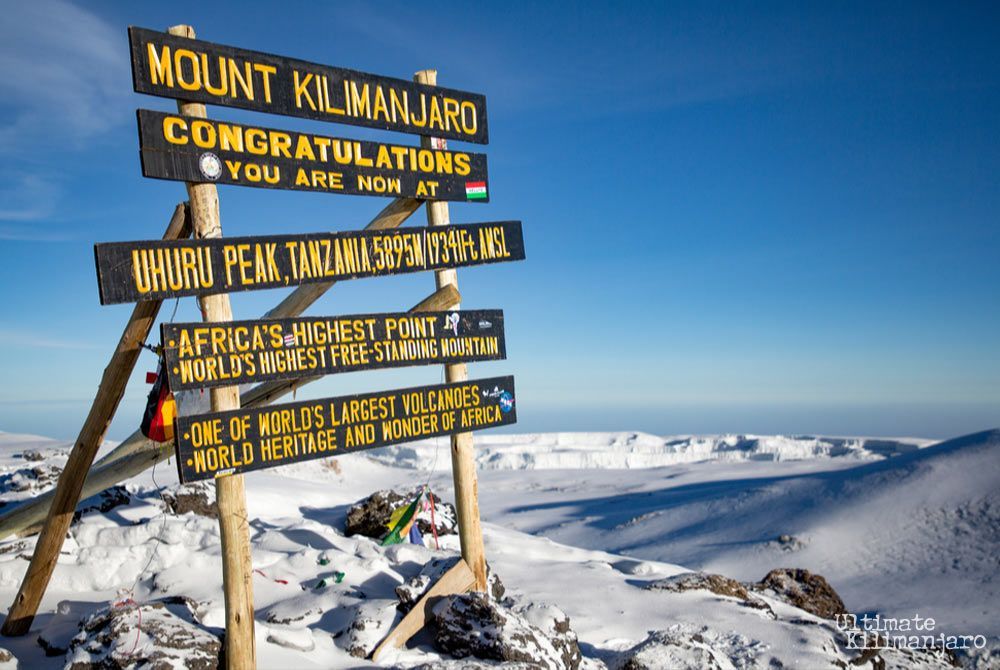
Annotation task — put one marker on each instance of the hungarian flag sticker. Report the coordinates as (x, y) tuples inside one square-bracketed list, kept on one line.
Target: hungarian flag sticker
[(475, 190)]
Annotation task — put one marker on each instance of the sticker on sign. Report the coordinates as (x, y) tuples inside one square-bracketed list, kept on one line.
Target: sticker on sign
[(475, 190)]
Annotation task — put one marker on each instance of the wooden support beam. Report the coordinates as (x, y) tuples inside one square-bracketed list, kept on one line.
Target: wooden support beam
[(458, 579), (66, 495), (234, 526), (111, 468), (463, 462)]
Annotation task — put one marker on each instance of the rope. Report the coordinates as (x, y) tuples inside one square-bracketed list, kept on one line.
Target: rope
[(129, 600), (127, 603)]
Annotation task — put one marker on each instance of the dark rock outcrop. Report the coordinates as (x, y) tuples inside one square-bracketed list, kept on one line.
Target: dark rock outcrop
[(371, 622), (108, 640), (717, 584), (104, 502), (690, 581), (475, 625), (803, 589), (34, 478), (198, 497), (681, 649), (370, 517)]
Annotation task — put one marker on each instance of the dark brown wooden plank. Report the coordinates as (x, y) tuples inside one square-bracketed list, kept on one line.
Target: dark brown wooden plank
[(201, 355), (222, 443), (154, 270), (217, 74), (190, 149)]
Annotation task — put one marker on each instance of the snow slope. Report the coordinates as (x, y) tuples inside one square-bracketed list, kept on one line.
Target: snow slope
[(918, 532), (580, 521), (549, 451)]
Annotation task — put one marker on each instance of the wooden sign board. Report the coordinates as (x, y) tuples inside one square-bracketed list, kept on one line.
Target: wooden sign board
[(223, 443), (239, 352), (199, 71), (189, 149), (156, 270)]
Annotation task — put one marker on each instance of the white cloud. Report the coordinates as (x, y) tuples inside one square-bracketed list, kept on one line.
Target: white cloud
[(22, 339), (63, 75), (26, 197)]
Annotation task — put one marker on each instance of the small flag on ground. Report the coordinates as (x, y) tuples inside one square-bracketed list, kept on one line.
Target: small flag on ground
[(401, 520), (290, 340), (475, 190)]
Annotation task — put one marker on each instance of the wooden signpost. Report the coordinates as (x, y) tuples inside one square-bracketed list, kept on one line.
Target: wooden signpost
[(153, 270), (284, 351), (223, 443), (241, 352), (202, 150)]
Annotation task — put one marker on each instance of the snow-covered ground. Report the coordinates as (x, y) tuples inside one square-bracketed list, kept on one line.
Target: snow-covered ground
[(585, 522)]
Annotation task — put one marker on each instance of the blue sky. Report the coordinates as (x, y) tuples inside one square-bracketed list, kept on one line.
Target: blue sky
[(760, 217)]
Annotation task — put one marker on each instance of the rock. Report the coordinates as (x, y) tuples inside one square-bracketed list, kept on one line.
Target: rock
[(474, 625), (13, 547), (371, 622), (165, 641), (60, 629), (298, 639), (804, 590), (689, 581), (789, 543), (105, 501), (473, 665), (370, 517), (717, 584), (411, 591), (555, 624), (687, 648), (35, 479), (7, 660), (875, 652), (198, 497), (32, 455), (282, 615)]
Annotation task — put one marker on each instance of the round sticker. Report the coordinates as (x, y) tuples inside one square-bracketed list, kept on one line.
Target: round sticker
[(210, 165), (506, 402)]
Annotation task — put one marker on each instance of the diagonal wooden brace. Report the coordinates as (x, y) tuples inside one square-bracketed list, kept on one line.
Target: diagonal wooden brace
[(458, 579)]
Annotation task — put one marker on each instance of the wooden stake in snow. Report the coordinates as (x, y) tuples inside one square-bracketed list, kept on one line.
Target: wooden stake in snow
[(234, 527), (463, 464), (68, 489)]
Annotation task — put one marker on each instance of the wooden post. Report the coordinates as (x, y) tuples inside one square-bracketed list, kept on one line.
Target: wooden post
[(143, 453), (70, 484), (234, 526), (463, 464)]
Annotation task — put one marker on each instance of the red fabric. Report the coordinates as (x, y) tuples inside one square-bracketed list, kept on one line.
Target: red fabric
[(161, 410)]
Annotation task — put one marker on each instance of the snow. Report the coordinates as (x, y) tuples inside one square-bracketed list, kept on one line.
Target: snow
[(577, 521)]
